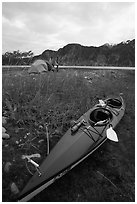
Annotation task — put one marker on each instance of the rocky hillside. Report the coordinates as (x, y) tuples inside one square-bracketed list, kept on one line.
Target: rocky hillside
[(122, 54)]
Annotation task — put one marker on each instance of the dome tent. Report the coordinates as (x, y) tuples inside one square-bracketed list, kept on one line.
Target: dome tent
[(38, 67)]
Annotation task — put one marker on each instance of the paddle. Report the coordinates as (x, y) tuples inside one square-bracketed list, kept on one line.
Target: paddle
[(111, 134)]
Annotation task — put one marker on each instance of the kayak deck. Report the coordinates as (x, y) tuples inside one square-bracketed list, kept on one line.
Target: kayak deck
[(74, 146)]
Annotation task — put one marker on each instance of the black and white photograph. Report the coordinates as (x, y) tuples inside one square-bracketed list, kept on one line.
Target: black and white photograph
[(68, 101)]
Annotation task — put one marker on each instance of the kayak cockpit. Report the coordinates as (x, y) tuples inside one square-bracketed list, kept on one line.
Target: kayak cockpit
[(114, 103), (100, 116)]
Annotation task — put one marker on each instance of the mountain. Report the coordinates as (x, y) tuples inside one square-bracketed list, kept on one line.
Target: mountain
[(122, 54)]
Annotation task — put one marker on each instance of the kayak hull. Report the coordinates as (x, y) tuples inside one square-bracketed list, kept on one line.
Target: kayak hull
[(72, 149)]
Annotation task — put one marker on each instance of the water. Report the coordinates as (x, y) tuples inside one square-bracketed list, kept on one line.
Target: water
[(72, 67)]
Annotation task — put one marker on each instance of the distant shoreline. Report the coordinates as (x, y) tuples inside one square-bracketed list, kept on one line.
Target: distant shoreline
[(74, 67)]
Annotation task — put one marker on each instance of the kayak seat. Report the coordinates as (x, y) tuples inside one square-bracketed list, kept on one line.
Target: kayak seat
[(114, 103), (100, 114)]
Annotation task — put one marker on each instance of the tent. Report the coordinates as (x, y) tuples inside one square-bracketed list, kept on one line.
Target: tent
[(38, 66)]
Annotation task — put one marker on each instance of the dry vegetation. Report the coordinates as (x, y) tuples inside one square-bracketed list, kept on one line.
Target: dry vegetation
[(32, 103)]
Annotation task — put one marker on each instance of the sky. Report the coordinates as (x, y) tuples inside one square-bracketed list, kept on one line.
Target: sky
[(38, 26)]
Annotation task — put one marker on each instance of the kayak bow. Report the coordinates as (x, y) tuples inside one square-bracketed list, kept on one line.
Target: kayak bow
[(85, 136)]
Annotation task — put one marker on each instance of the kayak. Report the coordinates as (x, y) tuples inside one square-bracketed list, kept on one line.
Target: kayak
[(84, 136)]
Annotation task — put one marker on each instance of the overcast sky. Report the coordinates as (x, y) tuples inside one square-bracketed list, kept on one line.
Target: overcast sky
[(52, 25)]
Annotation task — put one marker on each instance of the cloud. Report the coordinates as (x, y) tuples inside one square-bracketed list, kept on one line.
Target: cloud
[(50, 25)]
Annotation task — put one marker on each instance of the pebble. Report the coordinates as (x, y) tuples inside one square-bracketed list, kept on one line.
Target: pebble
[(3, 130), (14, 188), (25, 136), (4, 120), (7, 167), (5, 136), (40, 126)]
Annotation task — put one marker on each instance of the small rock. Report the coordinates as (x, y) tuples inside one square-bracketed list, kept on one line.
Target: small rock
[(7, 167), (5, 136), (17, 142), (25, 136), (3, 130), (4, 120), (40, 126), (14, 188), (5, 112)]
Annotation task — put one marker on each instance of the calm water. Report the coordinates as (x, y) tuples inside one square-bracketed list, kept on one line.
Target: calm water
[(69, 67)]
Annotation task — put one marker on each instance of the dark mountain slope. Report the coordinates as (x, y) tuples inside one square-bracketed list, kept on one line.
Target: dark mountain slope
[(122, 54)]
